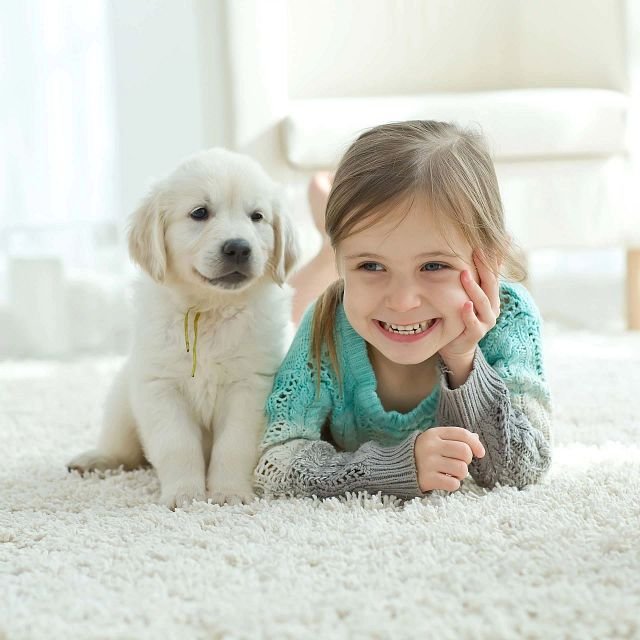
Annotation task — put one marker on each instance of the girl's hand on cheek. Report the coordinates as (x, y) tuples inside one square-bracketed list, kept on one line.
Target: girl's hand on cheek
[(479, 314)]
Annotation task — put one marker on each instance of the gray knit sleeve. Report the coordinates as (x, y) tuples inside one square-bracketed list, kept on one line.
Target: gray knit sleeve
[(304, 468), (514, 427)]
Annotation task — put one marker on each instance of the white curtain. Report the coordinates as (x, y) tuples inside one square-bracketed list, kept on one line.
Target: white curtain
[(61, 262)]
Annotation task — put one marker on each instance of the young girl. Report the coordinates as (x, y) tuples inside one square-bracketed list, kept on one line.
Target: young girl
[(418, 365)]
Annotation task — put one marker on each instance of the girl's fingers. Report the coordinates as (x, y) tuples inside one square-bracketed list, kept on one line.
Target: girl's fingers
[(470, 318), (446, 482), (456, 468), (457, 451), (488, 281), (479, 299), (473, 330), (459, 434)]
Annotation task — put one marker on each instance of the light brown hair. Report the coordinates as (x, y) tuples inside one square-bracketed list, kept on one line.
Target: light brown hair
[(448, 165)]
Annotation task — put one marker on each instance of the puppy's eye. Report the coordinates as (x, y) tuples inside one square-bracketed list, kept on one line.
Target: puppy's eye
[(256, 216), (200, 213)]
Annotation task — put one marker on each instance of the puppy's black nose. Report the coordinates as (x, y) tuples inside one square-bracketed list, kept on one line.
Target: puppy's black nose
[(236, 250)]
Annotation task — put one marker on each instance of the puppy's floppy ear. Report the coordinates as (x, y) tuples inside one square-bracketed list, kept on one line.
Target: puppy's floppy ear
[(286, 250), (146, 236)]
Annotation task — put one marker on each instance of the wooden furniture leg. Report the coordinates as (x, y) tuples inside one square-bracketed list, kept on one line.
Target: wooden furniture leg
[(633, 289)]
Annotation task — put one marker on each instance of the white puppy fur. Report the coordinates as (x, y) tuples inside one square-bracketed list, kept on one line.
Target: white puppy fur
[(214, 242)]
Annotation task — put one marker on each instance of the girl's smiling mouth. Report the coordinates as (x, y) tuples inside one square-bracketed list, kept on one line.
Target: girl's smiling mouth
[(406, 333)]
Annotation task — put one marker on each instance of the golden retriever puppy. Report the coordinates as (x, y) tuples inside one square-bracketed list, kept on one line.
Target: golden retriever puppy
[(212, 325)]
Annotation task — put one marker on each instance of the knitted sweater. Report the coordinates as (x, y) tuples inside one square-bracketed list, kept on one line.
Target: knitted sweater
[(505, 401)]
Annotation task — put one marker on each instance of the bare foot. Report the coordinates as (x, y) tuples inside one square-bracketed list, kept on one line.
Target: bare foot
[(318, 194), (310, 281)]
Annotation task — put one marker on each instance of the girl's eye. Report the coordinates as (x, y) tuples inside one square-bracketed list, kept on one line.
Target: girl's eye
[(256, 216), (437, 265), (370, 266), (200, 213)]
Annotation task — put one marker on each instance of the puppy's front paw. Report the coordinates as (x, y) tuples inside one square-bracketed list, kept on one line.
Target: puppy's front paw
[(92, 460), (231, 496), (181, 496)]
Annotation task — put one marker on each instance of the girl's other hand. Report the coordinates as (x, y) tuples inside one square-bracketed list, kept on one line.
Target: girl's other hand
[(443, 455)]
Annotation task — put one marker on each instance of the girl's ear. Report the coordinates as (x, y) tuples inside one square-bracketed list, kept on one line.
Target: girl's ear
[(286, 250), (146, 236)]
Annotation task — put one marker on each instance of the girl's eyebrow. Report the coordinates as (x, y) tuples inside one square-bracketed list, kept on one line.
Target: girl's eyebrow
[(428, 254)]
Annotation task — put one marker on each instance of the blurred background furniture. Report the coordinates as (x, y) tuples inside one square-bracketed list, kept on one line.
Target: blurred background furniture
[(548, 83), (103, 97)]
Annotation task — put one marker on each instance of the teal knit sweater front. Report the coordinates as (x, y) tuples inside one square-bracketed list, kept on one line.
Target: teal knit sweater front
[(505, 401)]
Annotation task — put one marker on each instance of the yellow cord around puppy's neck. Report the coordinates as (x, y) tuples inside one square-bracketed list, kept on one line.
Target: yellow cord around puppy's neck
[(195, 337)]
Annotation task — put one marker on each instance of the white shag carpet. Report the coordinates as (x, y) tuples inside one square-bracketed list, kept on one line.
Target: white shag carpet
[(98, 558)]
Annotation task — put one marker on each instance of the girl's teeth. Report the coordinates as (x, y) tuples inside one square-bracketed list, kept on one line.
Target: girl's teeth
[(408, 328)]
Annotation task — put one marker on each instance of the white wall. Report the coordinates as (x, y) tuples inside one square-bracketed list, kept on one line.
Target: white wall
[(420, 46), (170, 82)]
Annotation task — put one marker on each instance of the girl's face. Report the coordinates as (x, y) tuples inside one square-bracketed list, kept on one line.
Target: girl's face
[(402, 272)]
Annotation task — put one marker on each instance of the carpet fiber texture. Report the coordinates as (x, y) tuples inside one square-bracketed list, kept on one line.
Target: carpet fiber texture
[(98, 558)]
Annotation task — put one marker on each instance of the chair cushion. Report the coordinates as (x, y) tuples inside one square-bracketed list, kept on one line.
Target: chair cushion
[(520, 124)]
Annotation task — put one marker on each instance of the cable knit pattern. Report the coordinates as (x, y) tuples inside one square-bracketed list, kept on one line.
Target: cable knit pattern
[(505, 400)]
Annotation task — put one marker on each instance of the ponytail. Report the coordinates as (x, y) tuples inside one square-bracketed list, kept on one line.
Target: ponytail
[(323, 329)]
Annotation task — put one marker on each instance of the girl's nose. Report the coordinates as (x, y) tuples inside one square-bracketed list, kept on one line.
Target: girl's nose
[(403, 297)]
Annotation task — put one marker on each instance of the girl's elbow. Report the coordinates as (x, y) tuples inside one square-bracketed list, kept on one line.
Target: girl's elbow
[(520, 473), (529, 473)]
